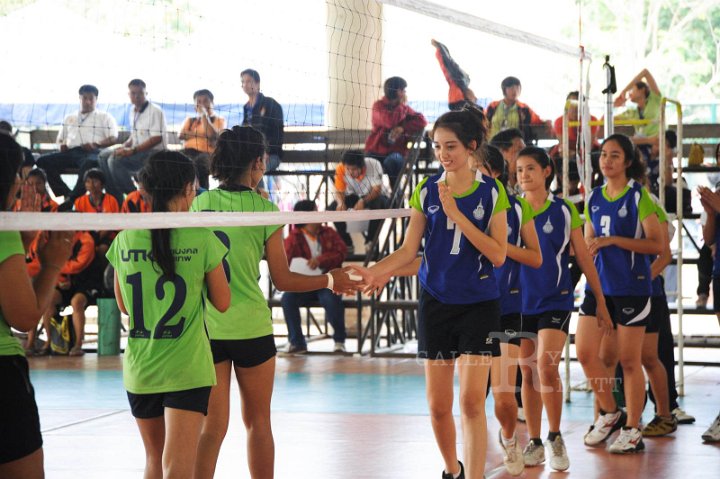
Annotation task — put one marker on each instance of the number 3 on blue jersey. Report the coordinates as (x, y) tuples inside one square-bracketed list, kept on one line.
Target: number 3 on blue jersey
[(456, 237), (605, 225)]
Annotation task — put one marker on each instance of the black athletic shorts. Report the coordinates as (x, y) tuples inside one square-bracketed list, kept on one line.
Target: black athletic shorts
[(148, 406), (510, 325), (659, 313), (19, 418), (244, 353), (716, 294), (624, 310), (532, 323), (446, 331)]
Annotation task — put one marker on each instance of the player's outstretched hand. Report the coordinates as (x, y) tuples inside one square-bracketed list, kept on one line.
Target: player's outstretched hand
[(345, 281), (374, 284)]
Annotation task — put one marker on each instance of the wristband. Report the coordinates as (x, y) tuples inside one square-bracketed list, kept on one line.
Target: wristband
[(330, 282)]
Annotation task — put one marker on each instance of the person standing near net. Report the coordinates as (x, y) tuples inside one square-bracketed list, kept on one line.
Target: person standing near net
[(461, 215), (242, 338), (81, 138), (162, 277), (394, 123), (547, 303), (266, 115), (459, 92), (22, 303), (511, 113), (622, 233)]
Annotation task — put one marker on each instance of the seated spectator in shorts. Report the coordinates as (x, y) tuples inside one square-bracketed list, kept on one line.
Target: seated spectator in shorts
[(322, 249), (148, 134), (200, 133), (81, 138), (511, 113), (358, 186), (28, 158), (510, 142), (137, 201), (394, 123), (35, 187), (73, 289), (98, 201)]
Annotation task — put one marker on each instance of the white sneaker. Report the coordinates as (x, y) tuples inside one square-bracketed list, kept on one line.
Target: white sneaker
[(682, 417), (339, 348), (558, 454), (534, 454), (629, 441), (713, 432), (512, 455), (605, 425), (521, 415)]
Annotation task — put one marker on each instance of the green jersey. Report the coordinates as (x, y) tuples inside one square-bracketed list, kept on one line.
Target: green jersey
[(168, 349), (249, 315), (10, 245)]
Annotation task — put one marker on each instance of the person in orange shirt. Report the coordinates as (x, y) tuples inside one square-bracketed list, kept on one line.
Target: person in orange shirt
[(200, 134), (72, 289), (459, 92), (36, 182), (97, 201), (137, 201)]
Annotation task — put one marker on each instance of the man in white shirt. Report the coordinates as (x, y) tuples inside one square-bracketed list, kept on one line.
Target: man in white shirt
[(82, 136), (148, 134)]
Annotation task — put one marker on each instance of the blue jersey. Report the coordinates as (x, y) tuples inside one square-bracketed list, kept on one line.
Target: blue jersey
[(549, 287), (508, 275), (716, 261), (622, 272), (452, 269)]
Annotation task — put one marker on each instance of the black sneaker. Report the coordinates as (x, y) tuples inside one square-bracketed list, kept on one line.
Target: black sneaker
[(449, 475)]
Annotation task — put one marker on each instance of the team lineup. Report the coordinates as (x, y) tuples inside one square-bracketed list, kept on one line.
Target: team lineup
[(496, 297)]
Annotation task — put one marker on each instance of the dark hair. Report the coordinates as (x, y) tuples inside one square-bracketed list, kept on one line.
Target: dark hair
[(252, 73), (94, 174), (392, 85), (236, 149), (165, 176), (468, 124), (304, 205), (573, 95), (541, 158), (39, 172), (5, 127), (136, 82), (495, 162), (633, 158), (671, 138), (354, 158), (509, 82), (641, 85), (88, 89), (504, 139), (11, 157), (204, 92)]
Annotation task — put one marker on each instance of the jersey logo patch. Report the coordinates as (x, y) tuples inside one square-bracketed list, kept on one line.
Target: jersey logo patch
[(548, 227), (479, 212), (509, 231), (488, 340), (433, 209), (628, 311), (595, 208), (622, 213), (556, 320), (511, 332)]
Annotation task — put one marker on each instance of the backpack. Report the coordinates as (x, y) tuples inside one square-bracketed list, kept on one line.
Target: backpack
[(697, 155), (62, 335)]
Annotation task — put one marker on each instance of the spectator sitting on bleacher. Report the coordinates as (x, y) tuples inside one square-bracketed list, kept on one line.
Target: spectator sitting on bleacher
[(28, 158), (82, 136), (148, 135), (137, 201), (510, 142), (647, 98), (36, 183), (98, 201), (200, 133), (394, 123), (511, 113), (73, 288), (319, 249), (358, 186)]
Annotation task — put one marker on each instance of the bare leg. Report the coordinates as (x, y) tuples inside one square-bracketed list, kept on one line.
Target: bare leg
[(152, 432), (182, 433), (28, 467), (587, 343), (474, 375), (656, 373), (532, 401), (215, 424), (79, 303), (551, 343), (439, 376), (503, 374), (629, 338)]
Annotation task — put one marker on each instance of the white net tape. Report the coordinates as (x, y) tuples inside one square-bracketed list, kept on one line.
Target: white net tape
[(136, 221)]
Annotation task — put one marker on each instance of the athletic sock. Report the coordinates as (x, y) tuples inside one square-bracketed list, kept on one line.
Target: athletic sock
[(553, 435), (536, 440)]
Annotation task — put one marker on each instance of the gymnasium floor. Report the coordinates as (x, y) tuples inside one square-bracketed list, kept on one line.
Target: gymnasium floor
[(340, 417)]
